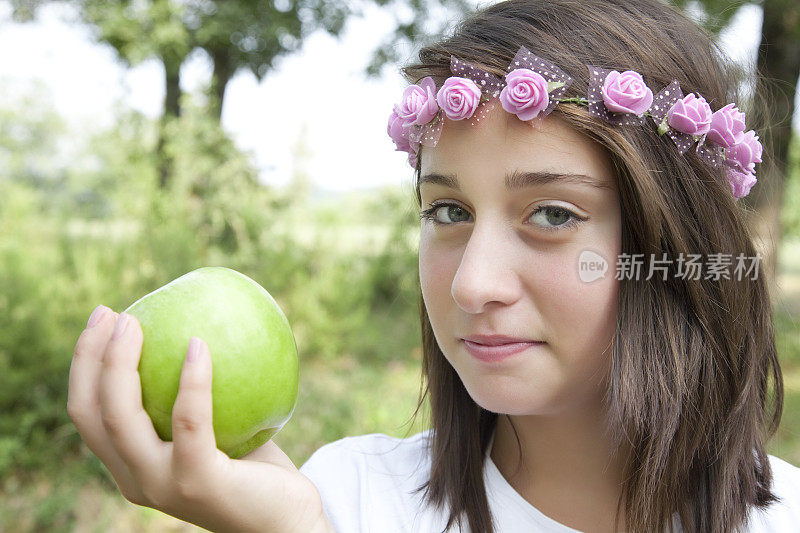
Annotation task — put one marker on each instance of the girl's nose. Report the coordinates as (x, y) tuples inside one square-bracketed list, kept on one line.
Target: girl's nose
[(487, 272)]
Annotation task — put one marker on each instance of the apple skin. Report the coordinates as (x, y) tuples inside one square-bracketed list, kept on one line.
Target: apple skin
[(255, 370)]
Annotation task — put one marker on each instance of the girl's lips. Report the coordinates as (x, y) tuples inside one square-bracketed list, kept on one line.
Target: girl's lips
[(497, 353)]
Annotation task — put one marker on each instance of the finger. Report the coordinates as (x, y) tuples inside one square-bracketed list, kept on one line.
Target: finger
[(129, 427), (87, 359), (83, 395), (194, 446)]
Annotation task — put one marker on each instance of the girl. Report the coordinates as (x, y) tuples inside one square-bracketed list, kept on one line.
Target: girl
[(590, 365)]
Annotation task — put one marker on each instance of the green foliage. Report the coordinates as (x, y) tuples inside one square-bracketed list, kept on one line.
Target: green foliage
[(139, 30), (365, 244), (714, 14), (252, 34)]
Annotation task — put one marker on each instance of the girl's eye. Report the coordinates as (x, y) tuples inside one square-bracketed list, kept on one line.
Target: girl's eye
[(559, 217), (448, 209), (546, 217)]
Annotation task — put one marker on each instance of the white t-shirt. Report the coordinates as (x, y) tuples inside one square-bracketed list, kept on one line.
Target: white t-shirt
[(367, 485)]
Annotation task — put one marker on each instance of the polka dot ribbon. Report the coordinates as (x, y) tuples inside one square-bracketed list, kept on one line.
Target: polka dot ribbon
[(549, 71), (596, 107), (662, 102), (489, 84)]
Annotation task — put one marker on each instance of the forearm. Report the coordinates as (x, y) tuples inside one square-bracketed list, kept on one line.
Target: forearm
[(230, 512), (254, 525)]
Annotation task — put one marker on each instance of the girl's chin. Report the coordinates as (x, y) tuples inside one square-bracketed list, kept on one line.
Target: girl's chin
[(507, 402)]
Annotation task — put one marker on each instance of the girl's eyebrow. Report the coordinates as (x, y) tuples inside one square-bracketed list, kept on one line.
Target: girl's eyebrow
[(519, 180)]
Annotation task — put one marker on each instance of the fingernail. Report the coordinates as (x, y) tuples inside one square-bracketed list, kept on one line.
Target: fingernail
[(98, 313), (194, 350), (119, 328)]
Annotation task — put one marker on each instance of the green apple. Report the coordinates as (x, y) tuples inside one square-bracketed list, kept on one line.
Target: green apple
[(253, 352)]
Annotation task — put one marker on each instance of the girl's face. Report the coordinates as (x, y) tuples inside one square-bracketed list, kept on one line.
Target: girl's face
[(503, 259)]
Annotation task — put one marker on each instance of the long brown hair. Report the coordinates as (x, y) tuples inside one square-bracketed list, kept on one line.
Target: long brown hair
[(689, 387)]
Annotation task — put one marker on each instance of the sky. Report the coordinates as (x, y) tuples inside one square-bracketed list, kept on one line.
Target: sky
[(85, 81)]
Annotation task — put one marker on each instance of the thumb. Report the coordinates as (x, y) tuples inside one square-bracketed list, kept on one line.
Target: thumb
[(194, 445)]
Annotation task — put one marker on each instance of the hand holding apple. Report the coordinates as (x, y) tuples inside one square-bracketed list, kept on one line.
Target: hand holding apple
[(189, 478)]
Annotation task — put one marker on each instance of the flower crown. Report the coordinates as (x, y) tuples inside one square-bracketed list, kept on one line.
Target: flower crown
[(533, 87)]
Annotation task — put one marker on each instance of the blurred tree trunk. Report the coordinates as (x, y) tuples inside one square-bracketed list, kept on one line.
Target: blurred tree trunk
[(172, 100), (172, 110), (223, 71)]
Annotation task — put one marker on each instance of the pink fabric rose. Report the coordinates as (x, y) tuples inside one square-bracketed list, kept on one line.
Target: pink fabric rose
[(397, 132), (418, 105), (458, 97), (399, 135), (525, 93), (727, 126), (744, 156), (691, 115), (626, 93), (740, 182)]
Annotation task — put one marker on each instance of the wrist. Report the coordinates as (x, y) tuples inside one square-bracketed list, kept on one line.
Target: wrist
[(323, 526)]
